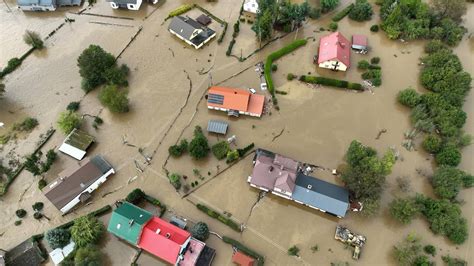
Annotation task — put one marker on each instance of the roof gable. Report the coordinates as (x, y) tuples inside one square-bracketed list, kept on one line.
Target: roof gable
[(127, 222), (334, 47), (186, 27)]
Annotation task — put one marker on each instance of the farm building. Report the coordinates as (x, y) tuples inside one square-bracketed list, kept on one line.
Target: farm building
[(235, 101), (360, 43), (191, 31), (334, 52)]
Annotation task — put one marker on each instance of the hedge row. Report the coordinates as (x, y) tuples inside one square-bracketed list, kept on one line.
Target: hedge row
[(276, 55), (180, 10), (343, 13), (243, 151), (244, 249), (96, 213), (223, 219), (332, 82), (14, 63)]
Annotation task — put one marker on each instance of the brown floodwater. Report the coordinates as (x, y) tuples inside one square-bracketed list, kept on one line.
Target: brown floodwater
[(316, 125)]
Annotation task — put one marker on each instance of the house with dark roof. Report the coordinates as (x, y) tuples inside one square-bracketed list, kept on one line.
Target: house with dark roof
[(191, 31), (128, 4), (76, 184), (27, 252), (283, 176), (158, 237), (76, 144), (235, 101), (45, 5), (334, 52)]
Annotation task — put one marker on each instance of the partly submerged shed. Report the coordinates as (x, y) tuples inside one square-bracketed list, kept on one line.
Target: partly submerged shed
[(359, 42), (76, 144)]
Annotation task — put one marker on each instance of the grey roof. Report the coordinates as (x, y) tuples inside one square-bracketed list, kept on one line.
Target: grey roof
[(184, 26), (69, 2), (204, 20), (118, 2), (79, 139), (321, 194), (217, 126), (26, 253), (36, 2)]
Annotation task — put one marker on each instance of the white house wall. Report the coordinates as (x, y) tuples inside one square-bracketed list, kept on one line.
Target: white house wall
[(72, 151), (330, 65)]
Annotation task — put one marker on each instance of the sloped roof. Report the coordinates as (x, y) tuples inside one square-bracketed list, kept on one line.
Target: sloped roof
[(266, 172), (76, 144), (163, 239), (123, 1), (234, 99), (121, 225), (26, 253), (184, 26), (241, 259), (285, 182), (204, 20), (334, 47), (321, 194), (256, 103), (251, 6)]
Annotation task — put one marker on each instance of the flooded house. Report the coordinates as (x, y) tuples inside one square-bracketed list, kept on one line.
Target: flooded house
[(128, 4), (250, 10), (76, 144), (45, 5), (235, 101), (164, 240), (191, 31), (284, 177), (334, 52), (76, 184)]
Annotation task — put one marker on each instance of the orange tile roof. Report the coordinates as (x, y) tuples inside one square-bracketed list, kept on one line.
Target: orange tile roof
[(256, 104), (241, 259), (238, 99)]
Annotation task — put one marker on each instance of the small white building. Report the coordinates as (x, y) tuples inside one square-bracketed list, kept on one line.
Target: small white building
[(76, 144), (58, 255), (128, 4), (250, 10)]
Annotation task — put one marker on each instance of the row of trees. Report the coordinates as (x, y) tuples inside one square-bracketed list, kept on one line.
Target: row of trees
[(415, 19)]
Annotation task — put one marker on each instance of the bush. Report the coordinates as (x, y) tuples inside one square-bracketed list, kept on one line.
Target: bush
[(88, 256), (448, 155), (314, 13), (11, 65), (274, 67), (27, 124), (198, 148), (220, 149), (17, 223), (333, 26), (363, 64), (232, 156), (434, 46), (68, 121), (114, 98), (93, 64), (33, 39), (87, 230), (293, 251), (20, 213), (328, 5), (244, 249), (178, 150), (403, 210), (375, 60), (38, 215), (374, 28), (41, 184), (180, 10), (432, 143), (407, 252), (243, 151), (200, 231), (117, 76), (450, 261), (448, 181), (331, 82), (290, 76), (73, 106), (430, 249), (57, 238), (362, 11), (175, 180), (136, 196), (38, 206), (409, 97), (341, 14)]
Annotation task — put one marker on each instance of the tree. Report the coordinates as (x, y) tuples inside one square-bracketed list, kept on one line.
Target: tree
[(117, 76), (363, 64), (87, 230), (232, 155), (200, 231), (406, 253), (409, 97), (263, 25), (361, 11), (453, 9), (93, 63), (404, 210), (448, 155), (57, 238), (73, 106), (432, 143), (198, 148), (294, 251), (33, 39), (136, 196), (328, 5), (175, 180), (88, 256), (114, 98), (448, 181), (430, 249), (220, 149), (68, 121)]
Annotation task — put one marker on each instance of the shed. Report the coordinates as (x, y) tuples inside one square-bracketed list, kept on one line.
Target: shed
[(204, 20), (58, 255), (359, 42), (127, 222), (76, 144), (26, 253), (216, 126), (241, 259)]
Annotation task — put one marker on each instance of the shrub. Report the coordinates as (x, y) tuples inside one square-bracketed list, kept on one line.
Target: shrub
[(328, 5), (450, 261), (406, 253), (362, 11), (403, 210), (274, 67), (175, 180), (331, 82), (38, 215), (41, 184), (375, 60), (38, 206), (117, 76), (243, 151), (114, 98), (33, 39), (409, 97), (341, 14), (68, 121), (290, 76), (434, 46), (199, 147), (432, 143), (333, 26), (293, 251), (27, 124), (229, 48), (136, 196), (363, 64), (57, 238), (93, 64), (200, 231), (20, 213), (430, 249), (232, 156), (219, 217), (88, 256), (220, 149), (180, 10), (448, 181), (87, 230), (448, 155), (314, 13), (73, 106), (17, 222), (374, 28)]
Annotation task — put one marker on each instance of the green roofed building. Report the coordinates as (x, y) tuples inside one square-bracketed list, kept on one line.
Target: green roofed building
[(127, 222)]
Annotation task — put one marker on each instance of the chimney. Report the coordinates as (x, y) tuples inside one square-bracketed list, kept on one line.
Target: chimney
[(343, 45), (270, 169), (168, 235)]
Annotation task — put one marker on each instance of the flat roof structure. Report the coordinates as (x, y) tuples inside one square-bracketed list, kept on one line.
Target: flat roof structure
[(217, 126)]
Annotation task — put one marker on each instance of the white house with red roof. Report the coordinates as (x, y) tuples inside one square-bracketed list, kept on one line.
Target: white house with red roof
[(334, 52)]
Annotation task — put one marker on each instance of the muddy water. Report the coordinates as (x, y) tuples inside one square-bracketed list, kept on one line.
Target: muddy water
[(317, 125)]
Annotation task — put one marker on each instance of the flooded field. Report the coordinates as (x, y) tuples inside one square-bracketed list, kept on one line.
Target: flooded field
[(314, 125)]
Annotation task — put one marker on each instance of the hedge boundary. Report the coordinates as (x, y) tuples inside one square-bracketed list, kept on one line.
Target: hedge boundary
[(246, 250), (274, 56), (221, 218), (343, 13), (332, 82)]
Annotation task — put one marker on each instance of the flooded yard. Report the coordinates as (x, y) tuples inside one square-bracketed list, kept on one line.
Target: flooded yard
[(167, 82)]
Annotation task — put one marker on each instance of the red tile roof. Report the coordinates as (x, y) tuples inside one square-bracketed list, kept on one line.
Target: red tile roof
[(241, 259), (238, 99), (334, 47), (163, 239)]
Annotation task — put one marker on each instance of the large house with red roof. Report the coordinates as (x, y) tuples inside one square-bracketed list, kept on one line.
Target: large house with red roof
[(164, 240), (235, 101), (334, 52)]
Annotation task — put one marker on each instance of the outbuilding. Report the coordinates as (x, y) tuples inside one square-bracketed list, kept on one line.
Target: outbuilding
[(216, 126), (76, 144), (359, 43)]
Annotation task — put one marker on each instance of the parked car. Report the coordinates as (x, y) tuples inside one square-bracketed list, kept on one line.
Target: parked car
[(263, 86), (253, 91)]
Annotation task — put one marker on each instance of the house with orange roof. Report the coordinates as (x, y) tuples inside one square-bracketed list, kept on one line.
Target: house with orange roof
[(241, 259), (334, 52), (235, 101)]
